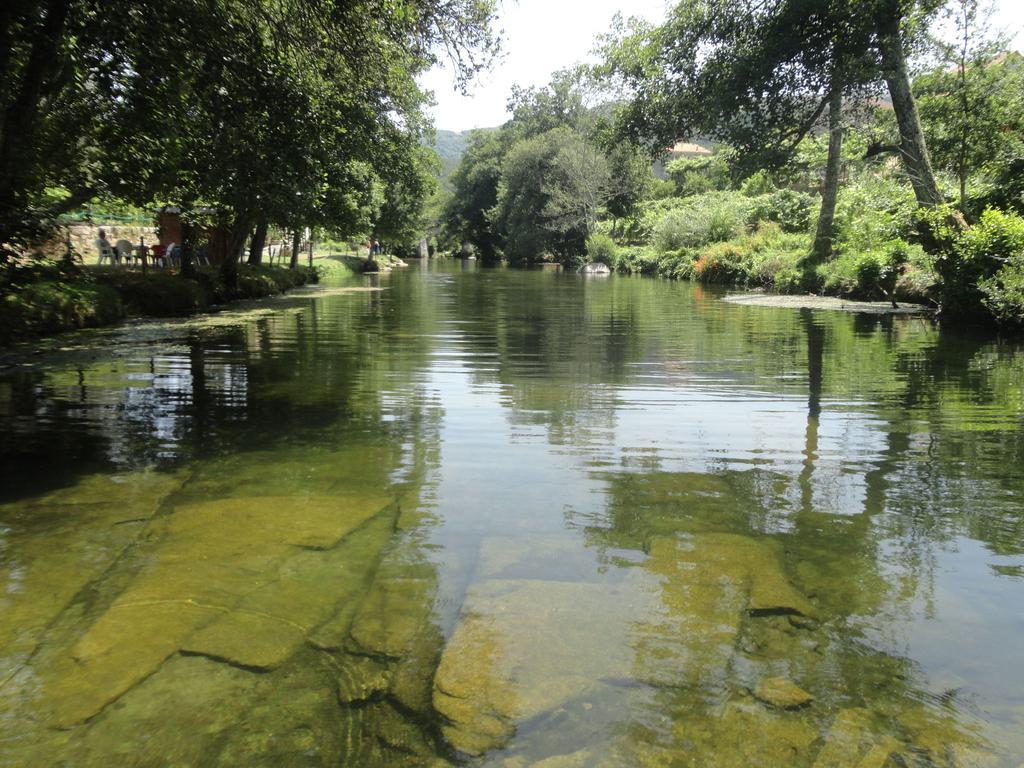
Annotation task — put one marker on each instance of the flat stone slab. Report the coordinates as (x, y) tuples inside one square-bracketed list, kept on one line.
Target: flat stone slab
[(243, 580), (525, 647), (806, 301)]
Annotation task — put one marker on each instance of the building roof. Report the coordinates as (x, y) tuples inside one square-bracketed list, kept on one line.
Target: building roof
[(689, 148)]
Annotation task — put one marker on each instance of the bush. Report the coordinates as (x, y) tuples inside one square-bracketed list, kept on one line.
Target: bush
[(702, 220), (757, 184), (677, 265), (50, 306), (873, 211), (1004, 293), (869, 275), (699, 175), (600, 247), (719, 263), (790, 210), (992, 251), (767, 258), (636, 261), (977, 255)]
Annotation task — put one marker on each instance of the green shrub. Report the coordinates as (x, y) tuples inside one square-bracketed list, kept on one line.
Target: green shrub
[(872, 211), (790, 210), (710, 218), (978, 254), (600, 247), (774, 259), (757, 184), (699, 175), (992, 251), (636, 261), (1004, 293), (871, 274), (676, 265), (50, 306)]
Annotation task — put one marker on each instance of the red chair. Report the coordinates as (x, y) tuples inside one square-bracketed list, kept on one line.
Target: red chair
[(159, 252)]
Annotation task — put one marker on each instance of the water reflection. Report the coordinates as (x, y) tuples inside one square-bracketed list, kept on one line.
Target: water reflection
[(513, 518)]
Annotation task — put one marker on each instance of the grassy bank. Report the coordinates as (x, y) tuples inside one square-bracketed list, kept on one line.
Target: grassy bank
[(774, 260), (40, 300), (753, 238)]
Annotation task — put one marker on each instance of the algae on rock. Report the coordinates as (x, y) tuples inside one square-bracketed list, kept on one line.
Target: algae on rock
[(233, 560), (59, 543)]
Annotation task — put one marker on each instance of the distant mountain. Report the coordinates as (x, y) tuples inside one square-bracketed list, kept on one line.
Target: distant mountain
[(451, 145)]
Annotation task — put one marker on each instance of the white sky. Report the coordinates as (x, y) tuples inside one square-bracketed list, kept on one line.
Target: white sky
[(543, 36)]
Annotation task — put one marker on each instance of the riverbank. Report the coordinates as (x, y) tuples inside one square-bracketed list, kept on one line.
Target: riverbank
[(41, 300), (773, 260)]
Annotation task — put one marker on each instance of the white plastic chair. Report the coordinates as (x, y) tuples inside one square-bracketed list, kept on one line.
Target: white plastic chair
[(106, 252), (125, 251)]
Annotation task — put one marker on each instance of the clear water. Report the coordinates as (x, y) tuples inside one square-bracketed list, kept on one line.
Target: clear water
[(453, 515)]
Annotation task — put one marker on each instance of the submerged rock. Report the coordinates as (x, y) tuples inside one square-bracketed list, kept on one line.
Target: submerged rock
[(852, 742), (59, 543), (235, 579), (523, 648), (710, 582), (782, 693)]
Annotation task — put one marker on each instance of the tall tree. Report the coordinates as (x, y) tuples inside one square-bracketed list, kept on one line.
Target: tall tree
[(762, 75), (552, 189)]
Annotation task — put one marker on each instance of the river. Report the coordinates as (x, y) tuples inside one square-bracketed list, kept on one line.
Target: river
[(508, 518)]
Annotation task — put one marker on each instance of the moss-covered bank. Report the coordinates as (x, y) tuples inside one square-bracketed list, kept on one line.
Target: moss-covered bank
[(40, 300)]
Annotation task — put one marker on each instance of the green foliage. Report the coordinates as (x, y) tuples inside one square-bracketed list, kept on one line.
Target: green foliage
[(758, 183), (972, 110), (467, 215), (869, 274), (53, 302), (767, 258), (553, 188), (601, 247), (636, 260), (1004, 292), (789, 209), (697, 175), (701, 220), (872, 211), (303, 112), (981, 268), (631, 179)]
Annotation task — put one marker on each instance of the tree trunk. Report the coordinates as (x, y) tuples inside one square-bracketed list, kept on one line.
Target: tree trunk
[(240, 228), (20, 120), (296, 242), (913, 150), (188, 244), (259, 240), (822, 250)]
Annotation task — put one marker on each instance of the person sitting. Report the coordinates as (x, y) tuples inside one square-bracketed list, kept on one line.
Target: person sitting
[(106, 250)]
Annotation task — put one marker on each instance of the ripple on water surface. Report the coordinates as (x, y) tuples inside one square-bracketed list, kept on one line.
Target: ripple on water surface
[(513, 518)]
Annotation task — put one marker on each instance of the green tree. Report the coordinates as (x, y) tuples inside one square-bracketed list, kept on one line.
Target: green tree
[(972, 108), (475, 192), (553, 188), (761, 76), (253, 107)]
